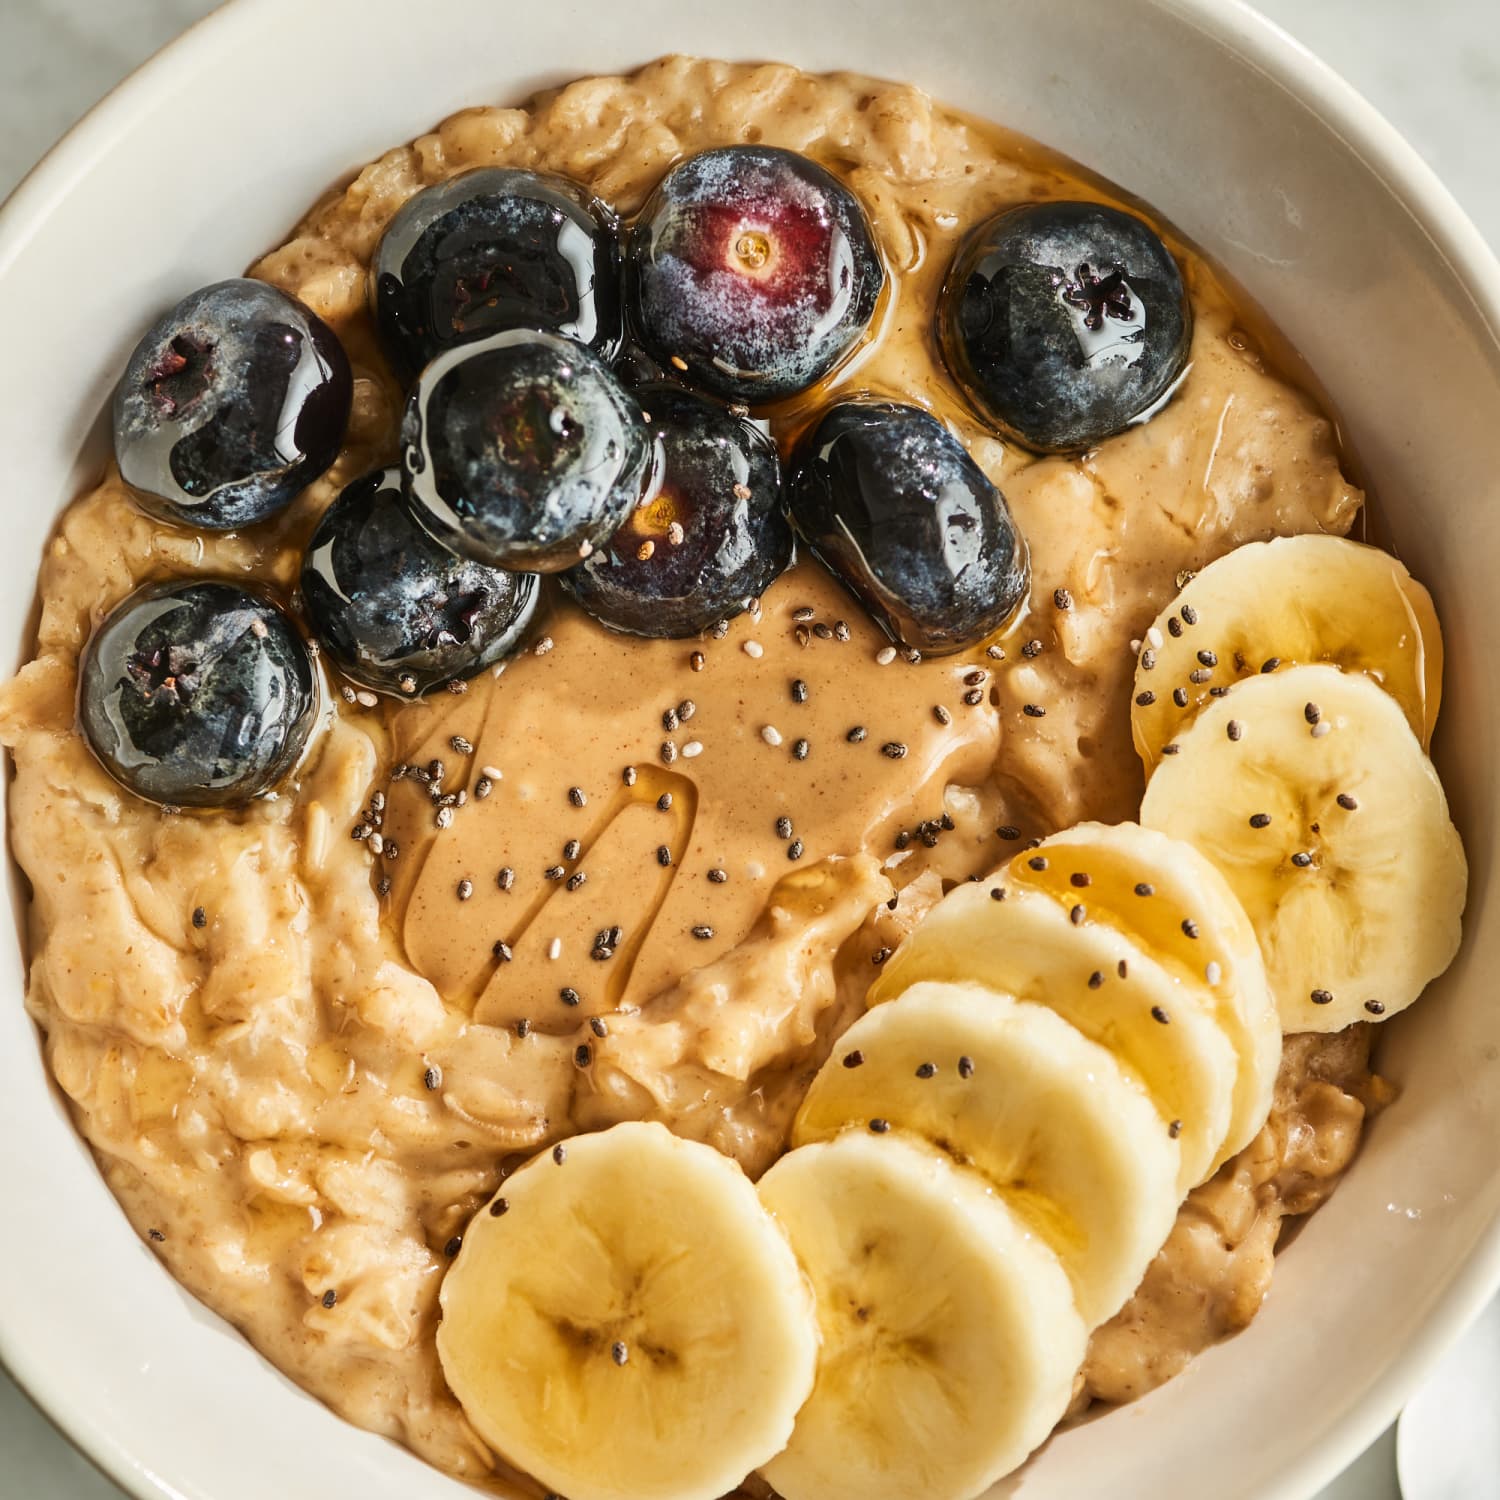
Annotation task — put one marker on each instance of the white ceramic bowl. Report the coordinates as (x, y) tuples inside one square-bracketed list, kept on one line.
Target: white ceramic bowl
[(1274, 166)]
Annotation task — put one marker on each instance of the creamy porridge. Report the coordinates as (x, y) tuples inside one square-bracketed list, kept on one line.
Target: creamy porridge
[(305, 1059)]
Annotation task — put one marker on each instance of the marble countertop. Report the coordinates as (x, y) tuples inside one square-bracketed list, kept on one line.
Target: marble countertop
[(1433, 69)]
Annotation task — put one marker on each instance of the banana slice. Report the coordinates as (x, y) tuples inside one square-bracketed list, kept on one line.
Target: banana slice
[(626, 1322), (1311, 794), (1070, 1142), (1165, 896), (1026, 946), (1299, 601), (949, 1336)]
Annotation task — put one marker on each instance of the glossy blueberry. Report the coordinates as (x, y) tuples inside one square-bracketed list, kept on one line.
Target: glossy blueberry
[(754, 271), (198, 694), (1064, 323), (394, 609), (522, 451), (230, 406), (492, 249), (891, 503), (710, 536)]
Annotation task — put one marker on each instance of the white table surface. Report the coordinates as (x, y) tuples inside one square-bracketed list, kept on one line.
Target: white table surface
[(1433, 68)]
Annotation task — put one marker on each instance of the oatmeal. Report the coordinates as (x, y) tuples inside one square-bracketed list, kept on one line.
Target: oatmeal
[(304, 1058)]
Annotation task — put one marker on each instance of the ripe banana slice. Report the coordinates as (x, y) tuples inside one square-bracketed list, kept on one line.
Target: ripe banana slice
[(1165, 896), (1026, 945), (949, 1335), (1069, 1141), (1310, 793), (626, 1322), (1297, 601)]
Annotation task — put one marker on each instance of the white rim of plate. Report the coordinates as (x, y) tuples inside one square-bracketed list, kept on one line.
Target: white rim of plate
[(1242, 30)]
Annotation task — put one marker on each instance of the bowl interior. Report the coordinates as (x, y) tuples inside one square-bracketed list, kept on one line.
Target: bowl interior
[(1281, 174)]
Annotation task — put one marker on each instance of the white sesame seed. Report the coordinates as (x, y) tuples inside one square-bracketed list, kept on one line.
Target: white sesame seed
[(544, 645), (491, 773), (376, 843), (770, 734), (692, 748), (1135, 648), (554, 948), (1153, 638), (366, 699), (754, 649), (885, 656), (1213, 973), (585, 548), (1321, 728)]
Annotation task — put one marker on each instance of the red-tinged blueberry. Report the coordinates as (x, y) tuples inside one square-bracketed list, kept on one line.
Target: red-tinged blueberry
[(522, 451), (197, 694), (709, 536), (893, 505), (753, 271), (492, 249), (230, 406), (1065, 323), (393, 609)]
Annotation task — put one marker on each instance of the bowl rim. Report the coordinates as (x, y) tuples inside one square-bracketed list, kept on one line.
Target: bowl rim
[(1255, 39)]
